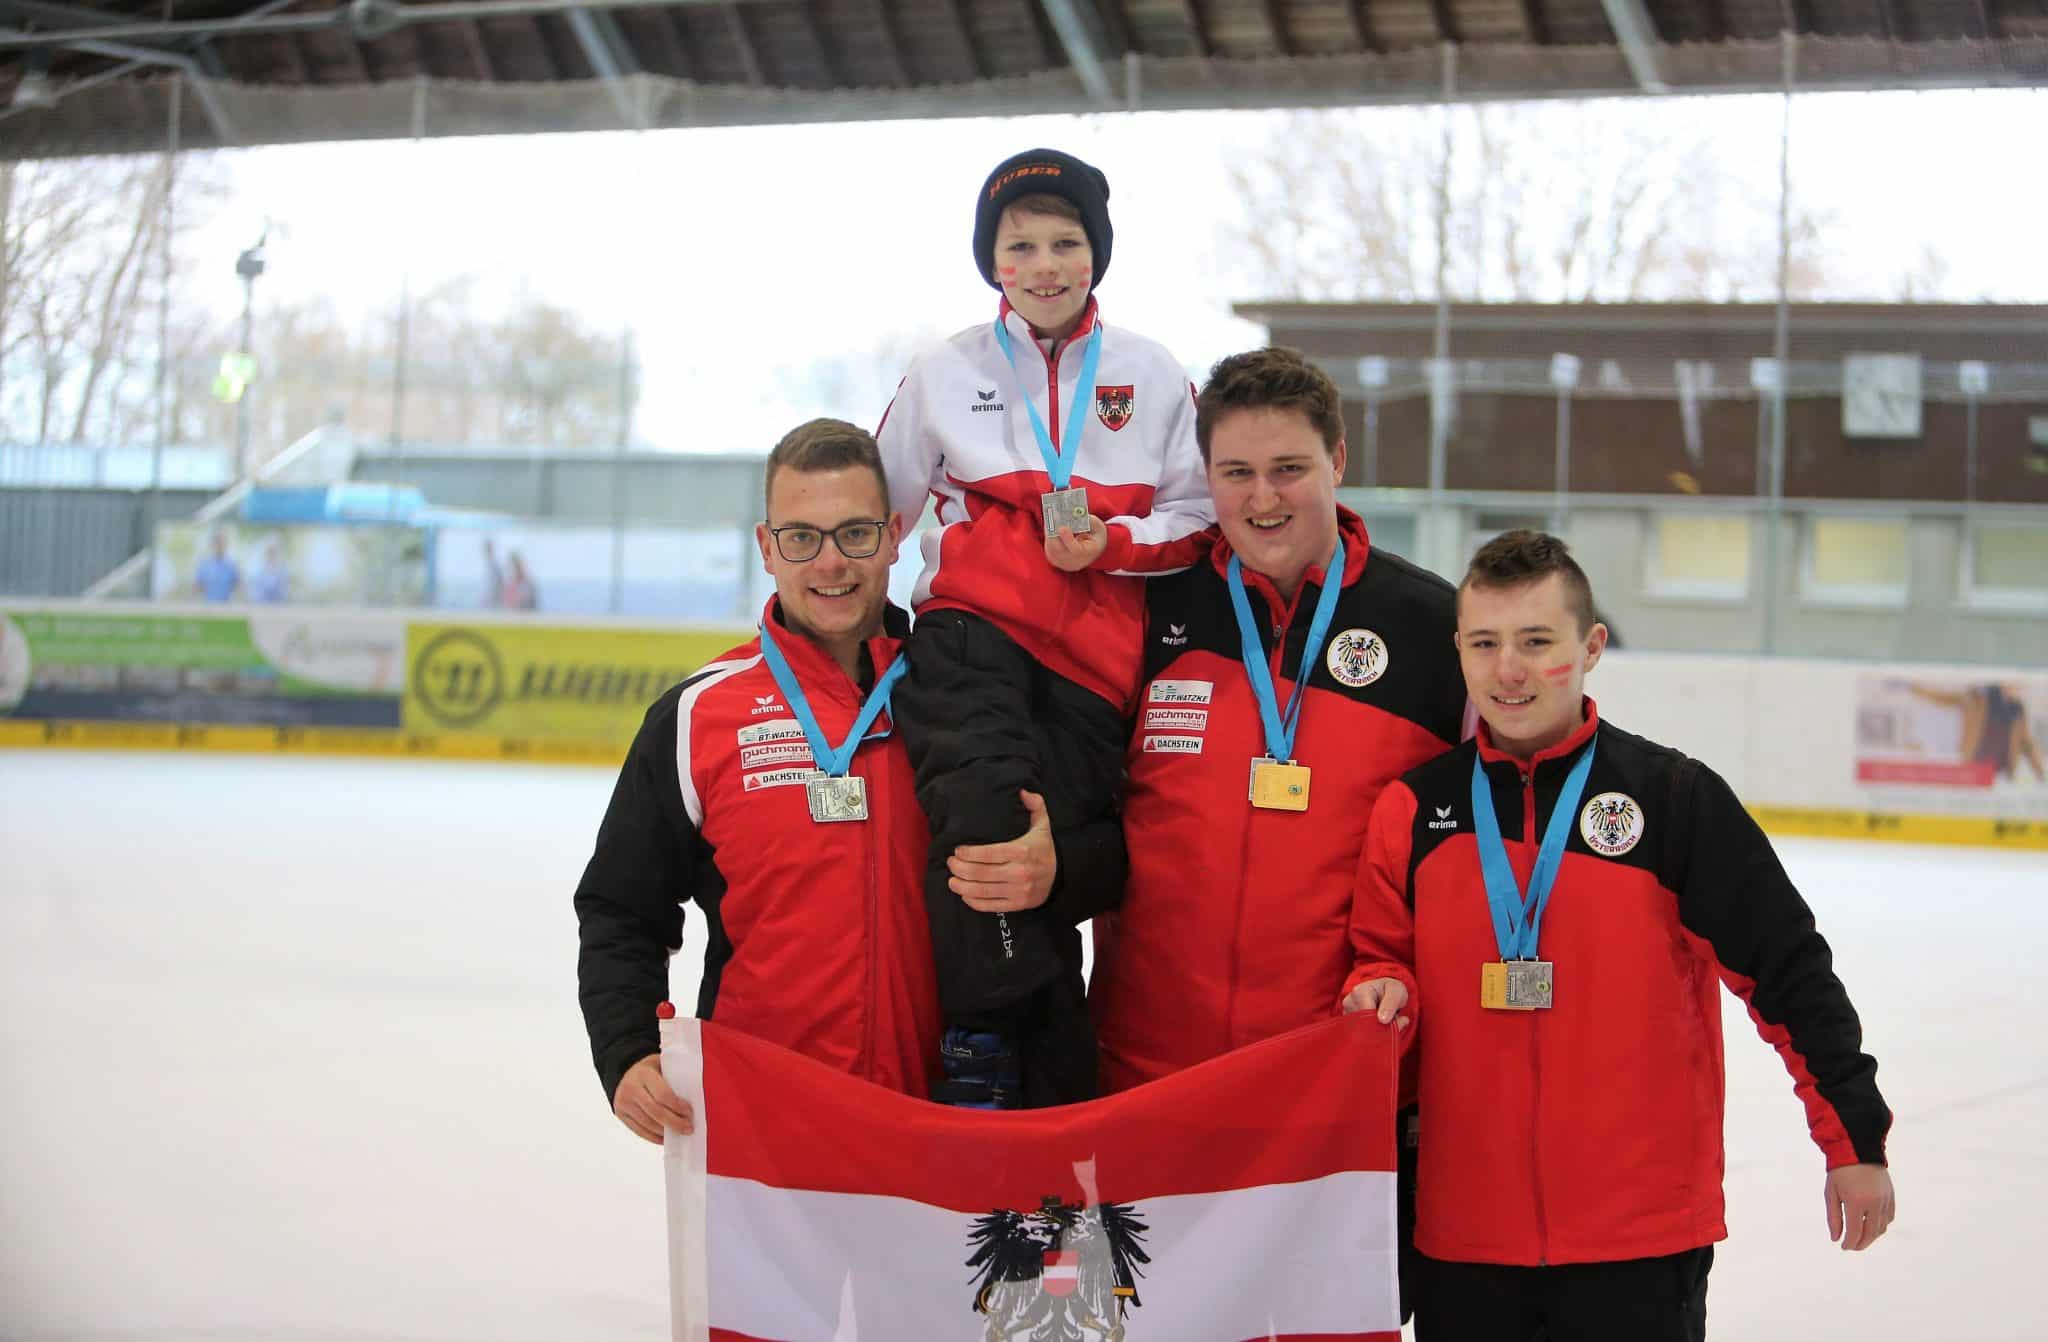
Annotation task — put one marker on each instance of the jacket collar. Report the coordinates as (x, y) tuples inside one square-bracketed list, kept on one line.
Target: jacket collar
[(818, 672), (1020, 330), (1357, 544), (1563, 750)]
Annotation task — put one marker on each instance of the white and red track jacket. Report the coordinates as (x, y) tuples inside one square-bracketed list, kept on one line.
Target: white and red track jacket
[(958, 429), (819, 940)]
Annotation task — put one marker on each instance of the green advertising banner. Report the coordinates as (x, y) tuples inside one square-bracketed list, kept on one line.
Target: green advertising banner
[(272, 669)]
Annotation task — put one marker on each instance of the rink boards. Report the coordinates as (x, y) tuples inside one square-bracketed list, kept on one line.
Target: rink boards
[(1908, 752)]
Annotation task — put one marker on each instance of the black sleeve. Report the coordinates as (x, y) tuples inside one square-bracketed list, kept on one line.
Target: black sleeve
[(1092, 865), (629, 914), (1735, 894)]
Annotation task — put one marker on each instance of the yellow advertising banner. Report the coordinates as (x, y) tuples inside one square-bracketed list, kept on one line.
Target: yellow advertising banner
[(519, 683)]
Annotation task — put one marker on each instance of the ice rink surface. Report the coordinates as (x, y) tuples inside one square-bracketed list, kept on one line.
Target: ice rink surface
[(289, 1052)]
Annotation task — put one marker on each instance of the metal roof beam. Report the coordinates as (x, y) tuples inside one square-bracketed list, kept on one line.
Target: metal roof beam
[(610, 56), (1078, 37), (957, 9), (1641, 47), (892, 43), (750, 59), (368, 19), (479, 53), (51, 15), (834, 76), (1200, 37), (668, 39), (1367, 38), (201, 82), (1446, 26), (1276, 24)]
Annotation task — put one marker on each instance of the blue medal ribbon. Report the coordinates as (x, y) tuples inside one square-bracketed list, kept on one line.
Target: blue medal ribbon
[(834, 762), (1516, 923), (1281, 725), (1059, 461)]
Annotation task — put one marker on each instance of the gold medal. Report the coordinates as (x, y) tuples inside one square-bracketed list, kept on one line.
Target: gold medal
[(1279, 787)]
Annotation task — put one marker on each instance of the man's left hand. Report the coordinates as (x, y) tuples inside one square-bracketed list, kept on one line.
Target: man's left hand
[(1008, 877), (1861, 1204), (1075, 552)]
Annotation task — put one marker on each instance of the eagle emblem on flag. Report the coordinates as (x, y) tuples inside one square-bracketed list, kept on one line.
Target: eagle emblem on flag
[(1115, 405), (1062, 1272)]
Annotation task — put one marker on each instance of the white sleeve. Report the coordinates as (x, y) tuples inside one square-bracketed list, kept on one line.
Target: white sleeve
[(1167, 539), (910, 455)]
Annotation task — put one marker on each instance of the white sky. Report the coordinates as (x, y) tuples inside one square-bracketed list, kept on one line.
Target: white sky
[(739, 257)]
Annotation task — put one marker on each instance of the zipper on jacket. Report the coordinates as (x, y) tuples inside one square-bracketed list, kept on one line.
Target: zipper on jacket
[(867, 1063), (1244, 844), (873, 957), (1052, 387), (1535, 1051)]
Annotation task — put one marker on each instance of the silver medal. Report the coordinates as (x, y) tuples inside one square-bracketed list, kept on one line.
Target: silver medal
[(1065, 508), (1529, 984), (836, 799)]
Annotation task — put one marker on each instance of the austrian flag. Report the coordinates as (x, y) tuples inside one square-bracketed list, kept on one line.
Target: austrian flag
[(1251, 1197)]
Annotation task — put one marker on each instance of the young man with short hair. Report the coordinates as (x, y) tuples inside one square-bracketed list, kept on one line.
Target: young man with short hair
[(770, 789), (1556, 904)]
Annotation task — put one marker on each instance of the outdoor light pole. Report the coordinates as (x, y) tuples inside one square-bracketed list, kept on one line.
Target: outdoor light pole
[(248, 265)]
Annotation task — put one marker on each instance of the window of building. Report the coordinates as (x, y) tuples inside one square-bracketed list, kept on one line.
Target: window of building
[(1702, 556), (1856, 561), (2007, 566)]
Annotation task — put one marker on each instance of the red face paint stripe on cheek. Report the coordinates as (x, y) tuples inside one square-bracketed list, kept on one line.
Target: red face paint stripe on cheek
[(1558, 672)]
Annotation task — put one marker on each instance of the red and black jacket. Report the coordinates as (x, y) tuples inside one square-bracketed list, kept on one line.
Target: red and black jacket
[(818, 935), (1233, 925), (1592, 1131)]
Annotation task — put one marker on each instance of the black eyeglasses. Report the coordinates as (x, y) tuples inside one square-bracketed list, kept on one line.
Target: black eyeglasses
[(799, 541)]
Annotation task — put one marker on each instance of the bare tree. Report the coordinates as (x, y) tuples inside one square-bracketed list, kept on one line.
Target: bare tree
[(856, 386), (80, 243), (1547, 203), (535, 374)]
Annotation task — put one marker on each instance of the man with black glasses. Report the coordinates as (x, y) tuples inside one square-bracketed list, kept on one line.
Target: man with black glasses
[(771, 789)]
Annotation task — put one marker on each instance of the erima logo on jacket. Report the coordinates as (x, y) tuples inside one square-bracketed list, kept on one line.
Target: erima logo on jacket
[(1176, 637), (1444, 819), (987, 401)]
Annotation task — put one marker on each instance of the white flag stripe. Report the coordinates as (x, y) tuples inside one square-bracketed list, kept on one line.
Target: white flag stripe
[(682, 1066), (790, 1264)]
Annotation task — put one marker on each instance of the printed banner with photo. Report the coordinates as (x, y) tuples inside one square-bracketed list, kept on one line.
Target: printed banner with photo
[(1249, 1197), (1955, 742), (570, 570), (270, 669), (296, 565), (546, 682)]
